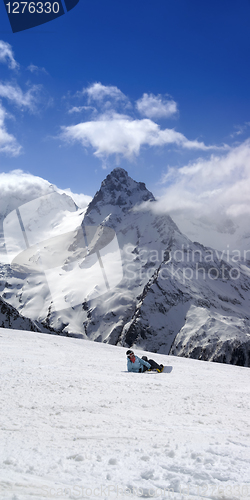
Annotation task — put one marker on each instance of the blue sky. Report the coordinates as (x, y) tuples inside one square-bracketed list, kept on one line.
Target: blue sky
[(160, 88)]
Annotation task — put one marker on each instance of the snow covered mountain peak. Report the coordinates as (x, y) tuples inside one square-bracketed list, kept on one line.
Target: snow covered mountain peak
[(118, 189)]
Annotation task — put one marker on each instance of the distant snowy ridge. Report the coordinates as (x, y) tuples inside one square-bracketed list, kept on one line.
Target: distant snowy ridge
[(173, 295), (212, 336)]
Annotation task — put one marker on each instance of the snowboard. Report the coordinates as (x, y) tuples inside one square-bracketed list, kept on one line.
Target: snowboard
[(166, 369)]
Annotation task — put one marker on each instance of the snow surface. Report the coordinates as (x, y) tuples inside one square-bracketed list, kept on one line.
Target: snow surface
[(74, 424)]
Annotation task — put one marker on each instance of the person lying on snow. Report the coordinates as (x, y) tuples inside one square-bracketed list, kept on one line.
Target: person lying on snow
[(140, 365)]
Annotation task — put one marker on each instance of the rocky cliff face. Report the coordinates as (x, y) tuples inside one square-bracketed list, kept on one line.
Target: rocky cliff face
[(194, 308), (118, 190), (159, 290)]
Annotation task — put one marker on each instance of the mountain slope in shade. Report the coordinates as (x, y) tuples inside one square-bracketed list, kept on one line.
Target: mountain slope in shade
[(10, 318), (173, 295)]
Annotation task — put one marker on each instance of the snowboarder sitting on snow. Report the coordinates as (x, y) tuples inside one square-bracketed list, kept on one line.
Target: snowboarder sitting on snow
[(140, 365)]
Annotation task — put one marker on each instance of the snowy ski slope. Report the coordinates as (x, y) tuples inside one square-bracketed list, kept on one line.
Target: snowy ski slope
[(75, 424)]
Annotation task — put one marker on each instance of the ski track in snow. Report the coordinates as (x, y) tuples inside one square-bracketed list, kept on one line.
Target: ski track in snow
[(74, 424)]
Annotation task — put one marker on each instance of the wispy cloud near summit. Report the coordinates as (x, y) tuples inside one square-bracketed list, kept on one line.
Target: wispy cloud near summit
[(213, 191)]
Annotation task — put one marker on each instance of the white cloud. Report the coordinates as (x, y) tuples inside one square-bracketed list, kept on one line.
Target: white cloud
[(81, 200), (8, 143), (15, 94), (35, 69), (98, 92), (156, 106), (219, 185), (115, 129), (240, 129), (12, 92), (7, 56), (209, 199), (18, 187), (121, 135), (79, 109)]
